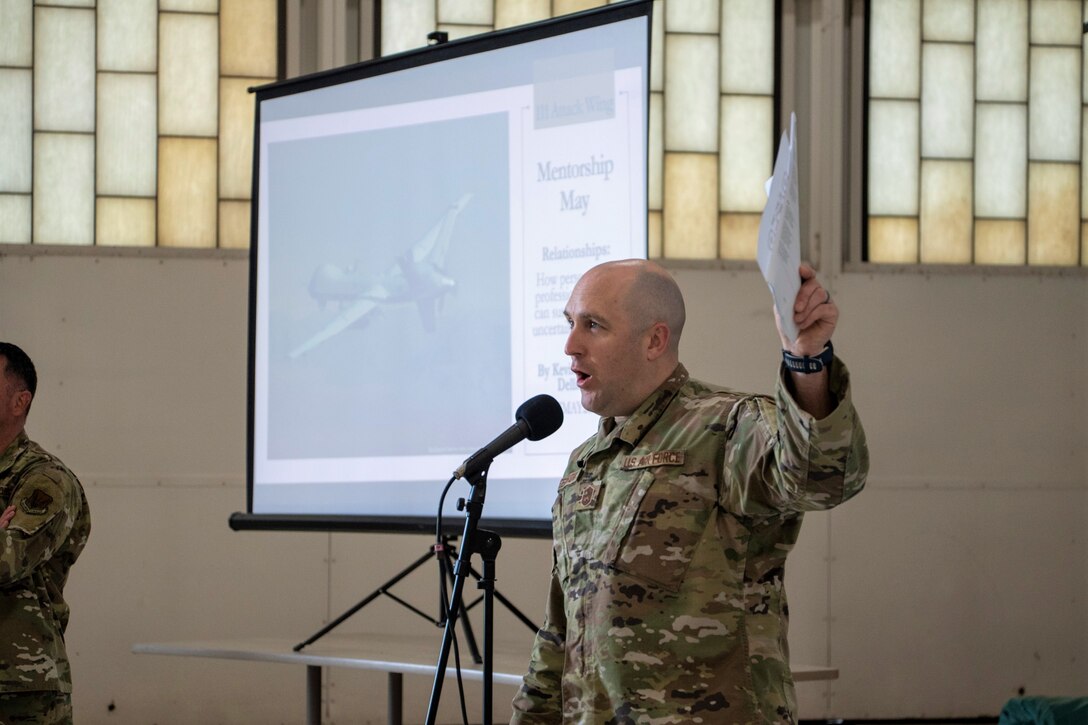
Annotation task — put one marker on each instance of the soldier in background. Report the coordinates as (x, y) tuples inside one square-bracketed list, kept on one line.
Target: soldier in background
[(43, 529), (672, 523)]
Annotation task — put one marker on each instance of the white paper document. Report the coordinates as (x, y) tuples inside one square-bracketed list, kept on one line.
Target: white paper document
[(779, 252)]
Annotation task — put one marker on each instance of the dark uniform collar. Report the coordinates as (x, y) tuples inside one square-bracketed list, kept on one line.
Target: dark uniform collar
[(631, 430)]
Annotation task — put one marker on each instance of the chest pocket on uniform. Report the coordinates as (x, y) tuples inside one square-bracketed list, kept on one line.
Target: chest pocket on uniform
[(666, 521)]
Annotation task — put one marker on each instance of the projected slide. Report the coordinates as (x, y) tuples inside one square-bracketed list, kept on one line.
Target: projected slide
[(418, 235), (371, 297)]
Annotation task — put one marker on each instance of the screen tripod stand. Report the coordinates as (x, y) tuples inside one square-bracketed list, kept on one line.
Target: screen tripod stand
[(446, 554)]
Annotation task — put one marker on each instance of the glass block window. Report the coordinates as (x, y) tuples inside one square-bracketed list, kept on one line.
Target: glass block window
[(712, 107), (127, 123), (975, 138)]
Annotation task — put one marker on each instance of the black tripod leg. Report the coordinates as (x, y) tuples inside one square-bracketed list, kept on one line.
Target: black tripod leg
[(516, 612), (510, 605), (373, 595)]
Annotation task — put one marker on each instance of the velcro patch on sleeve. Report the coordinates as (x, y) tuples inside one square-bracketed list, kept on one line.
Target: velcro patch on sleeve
[(37, 503)]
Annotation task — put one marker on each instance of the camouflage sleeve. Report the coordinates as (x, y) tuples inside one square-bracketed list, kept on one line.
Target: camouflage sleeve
[(45, 512), (779, 459), (539, 701)]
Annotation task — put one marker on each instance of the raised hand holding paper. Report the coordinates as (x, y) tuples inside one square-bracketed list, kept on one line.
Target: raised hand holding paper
[(779, 252)]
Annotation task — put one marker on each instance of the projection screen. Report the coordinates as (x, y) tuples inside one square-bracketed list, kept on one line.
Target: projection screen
[(418, 223)]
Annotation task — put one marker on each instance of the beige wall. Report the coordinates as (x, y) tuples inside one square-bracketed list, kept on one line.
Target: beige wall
[(957, 577)]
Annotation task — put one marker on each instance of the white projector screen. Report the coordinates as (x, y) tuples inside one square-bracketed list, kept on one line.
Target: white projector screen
[(418, 223)]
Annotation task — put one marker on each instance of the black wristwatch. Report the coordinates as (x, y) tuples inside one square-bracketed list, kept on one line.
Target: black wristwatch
[(808, 364)]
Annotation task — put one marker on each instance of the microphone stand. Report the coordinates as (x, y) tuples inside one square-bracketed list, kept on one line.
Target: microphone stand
[(487, 544)]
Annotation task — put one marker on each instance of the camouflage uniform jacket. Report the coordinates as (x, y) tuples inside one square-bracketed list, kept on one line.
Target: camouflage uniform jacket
[(671, 532), (37, 548)]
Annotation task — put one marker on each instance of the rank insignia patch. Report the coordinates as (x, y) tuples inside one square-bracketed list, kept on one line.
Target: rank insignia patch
[(587, 495)]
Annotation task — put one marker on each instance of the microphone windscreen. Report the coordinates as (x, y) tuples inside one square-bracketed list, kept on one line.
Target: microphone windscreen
[(542, 414)]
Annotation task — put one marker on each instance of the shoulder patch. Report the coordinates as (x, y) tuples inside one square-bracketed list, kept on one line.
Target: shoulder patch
[(37, 503)]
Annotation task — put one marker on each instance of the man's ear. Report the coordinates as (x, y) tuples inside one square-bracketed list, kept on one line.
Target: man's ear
[(21, 403), (658, 338)]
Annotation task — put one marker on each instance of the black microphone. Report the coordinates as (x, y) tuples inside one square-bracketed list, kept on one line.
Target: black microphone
[(536, 418)]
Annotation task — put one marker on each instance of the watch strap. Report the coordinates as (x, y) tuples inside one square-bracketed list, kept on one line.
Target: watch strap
[(806, 364)]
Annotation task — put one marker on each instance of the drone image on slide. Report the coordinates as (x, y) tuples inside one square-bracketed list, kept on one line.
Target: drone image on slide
[(417, 276)]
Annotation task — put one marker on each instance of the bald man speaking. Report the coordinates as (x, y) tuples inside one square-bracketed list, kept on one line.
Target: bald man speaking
[(672, 523)]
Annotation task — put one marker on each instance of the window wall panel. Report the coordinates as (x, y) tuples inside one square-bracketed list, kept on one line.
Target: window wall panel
[(657, 47), (1084, 63), (234, 224), (466, 12), (185, 46), (1000, 241), (893, 158), (110, 88), (894, 49), (746, 152), (948, 75), (1001, 160), (945, 219), (14, 218), (16, 33), (893, 240), (693, 16), (247, 38), (187, 192), (463, 31), (655, 235), (188, 74), (656, 150), (236, 111), (405, 24), (1053, 217), (16, 129), (1084, 167), (948, 20), (1055, 104), (1001, 50), (1055, 22), (691, 104), (127, 137), (509, 13), (64, 67), (1084, 244), (738, 236), (747, 48), (691, 214), (125, 222), (566, 7), (63, 207), (191, 6), (1015, 112), (128, 35)]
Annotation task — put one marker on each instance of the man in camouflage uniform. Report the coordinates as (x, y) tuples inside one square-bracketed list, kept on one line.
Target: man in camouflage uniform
[(672, 523), (43, 528)]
